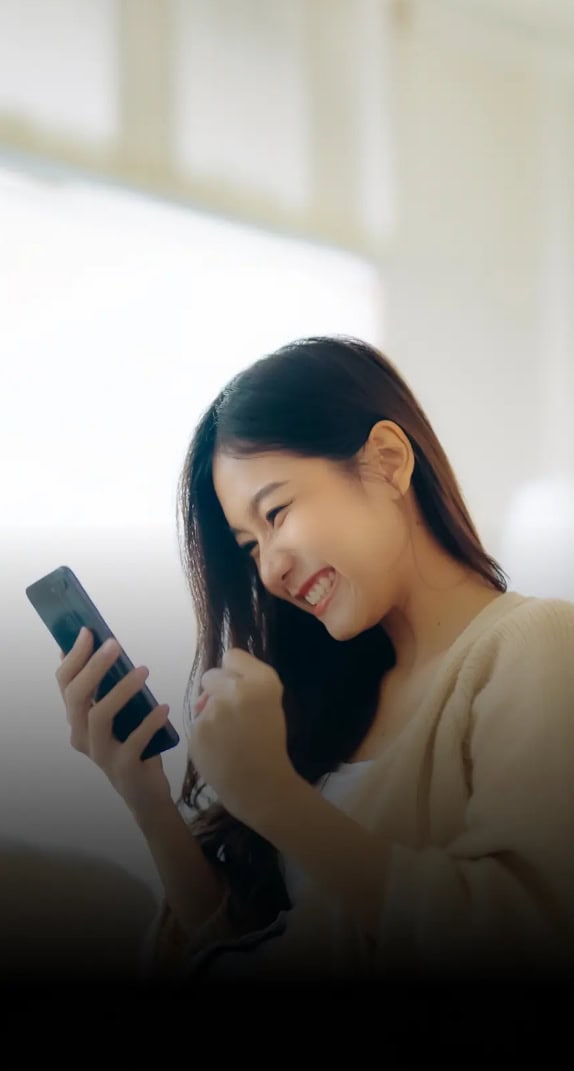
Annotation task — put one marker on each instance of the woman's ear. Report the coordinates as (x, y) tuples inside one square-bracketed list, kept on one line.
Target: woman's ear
[(389, 453)]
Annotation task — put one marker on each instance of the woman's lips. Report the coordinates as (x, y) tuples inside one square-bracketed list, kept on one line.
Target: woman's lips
[(321, 606), (313, 580)]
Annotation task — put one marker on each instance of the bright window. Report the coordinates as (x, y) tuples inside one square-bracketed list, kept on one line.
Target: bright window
[(122, 317)]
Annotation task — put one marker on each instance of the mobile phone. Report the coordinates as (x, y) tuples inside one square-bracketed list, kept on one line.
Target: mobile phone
[(64, 606)]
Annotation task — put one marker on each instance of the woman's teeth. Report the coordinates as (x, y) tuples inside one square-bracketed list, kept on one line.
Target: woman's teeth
[(320, 589)]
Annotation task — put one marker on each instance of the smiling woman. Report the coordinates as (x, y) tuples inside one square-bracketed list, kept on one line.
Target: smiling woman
[(350, 620), (383, 730)]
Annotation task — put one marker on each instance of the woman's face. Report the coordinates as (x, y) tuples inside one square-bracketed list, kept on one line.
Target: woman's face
[(328, 543)]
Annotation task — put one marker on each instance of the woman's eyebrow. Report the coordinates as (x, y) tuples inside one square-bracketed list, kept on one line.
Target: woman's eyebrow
[(257, 499)]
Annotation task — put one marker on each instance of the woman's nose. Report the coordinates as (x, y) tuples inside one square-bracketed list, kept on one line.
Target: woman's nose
[(275, 565)]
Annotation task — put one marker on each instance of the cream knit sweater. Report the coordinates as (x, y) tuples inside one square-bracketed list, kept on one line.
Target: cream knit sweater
[(476, 798)]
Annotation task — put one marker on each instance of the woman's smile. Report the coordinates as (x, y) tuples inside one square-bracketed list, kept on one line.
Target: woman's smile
[(324, 591)]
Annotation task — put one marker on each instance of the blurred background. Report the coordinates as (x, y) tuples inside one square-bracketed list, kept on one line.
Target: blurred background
[(187, 184)]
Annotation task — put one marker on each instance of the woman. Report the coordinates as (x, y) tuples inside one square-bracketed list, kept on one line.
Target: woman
[(384, 732)]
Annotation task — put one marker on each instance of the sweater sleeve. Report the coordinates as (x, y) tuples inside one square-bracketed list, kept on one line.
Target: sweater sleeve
[(500, 896), (166, 949)]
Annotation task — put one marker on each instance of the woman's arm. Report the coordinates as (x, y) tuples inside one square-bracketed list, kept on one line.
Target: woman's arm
[(345, 859), (193, 888)]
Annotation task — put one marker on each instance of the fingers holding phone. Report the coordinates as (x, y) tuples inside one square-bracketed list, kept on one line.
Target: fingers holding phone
[(73, 682), (79, 674), (78, 678)]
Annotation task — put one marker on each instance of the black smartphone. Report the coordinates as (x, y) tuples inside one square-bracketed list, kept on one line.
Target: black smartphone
[(64, 607)]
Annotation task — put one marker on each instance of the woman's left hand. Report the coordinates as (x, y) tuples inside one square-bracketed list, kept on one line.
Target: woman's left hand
[(238, 739)]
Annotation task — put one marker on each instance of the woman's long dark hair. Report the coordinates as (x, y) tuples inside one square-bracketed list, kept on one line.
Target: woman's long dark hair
[(317, 397)]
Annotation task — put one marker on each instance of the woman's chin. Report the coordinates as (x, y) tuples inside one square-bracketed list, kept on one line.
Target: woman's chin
[(340, 629)]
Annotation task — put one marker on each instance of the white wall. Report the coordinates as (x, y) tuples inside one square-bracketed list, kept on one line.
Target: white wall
[(480, 281)]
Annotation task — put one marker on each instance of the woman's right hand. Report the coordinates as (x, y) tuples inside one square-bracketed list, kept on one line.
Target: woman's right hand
[(142, 784)]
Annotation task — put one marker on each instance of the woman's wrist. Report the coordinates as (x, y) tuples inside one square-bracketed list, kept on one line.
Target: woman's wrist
[(149, 814)]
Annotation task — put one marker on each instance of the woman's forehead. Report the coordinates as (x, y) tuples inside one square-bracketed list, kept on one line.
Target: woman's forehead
[(237, 478), (273, 464)]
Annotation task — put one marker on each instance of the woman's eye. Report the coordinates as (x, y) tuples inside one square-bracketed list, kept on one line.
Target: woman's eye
[(273, 513), (270, 517)]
